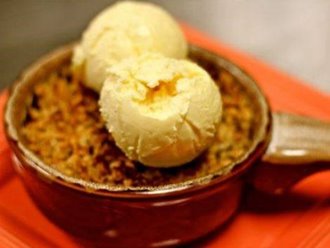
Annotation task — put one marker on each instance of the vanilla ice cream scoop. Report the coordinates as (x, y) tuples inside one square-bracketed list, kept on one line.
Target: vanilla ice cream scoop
[(124, 30), (160, 111)]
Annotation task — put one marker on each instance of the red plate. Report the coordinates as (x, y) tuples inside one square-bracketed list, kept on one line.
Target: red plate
[(299, 219)]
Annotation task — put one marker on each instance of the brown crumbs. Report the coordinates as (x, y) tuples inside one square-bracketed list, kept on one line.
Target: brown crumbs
[(64, 128)]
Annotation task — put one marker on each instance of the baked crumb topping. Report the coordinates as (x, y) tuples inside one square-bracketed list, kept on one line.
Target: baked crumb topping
[(63, 127)]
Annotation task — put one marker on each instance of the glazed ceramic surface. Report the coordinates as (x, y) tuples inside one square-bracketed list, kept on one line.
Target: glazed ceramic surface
[(103, 215)]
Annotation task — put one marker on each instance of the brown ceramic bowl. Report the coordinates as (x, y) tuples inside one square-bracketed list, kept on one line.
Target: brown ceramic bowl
[(103, 215)]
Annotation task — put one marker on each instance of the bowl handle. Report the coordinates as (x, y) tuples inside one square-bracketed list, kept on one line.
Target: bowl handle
[(299, 147)]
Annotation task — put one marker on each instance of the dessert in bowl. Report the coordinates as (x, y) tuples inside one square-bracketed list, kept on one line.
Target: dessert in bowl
[(115, 205), (183, 203), (84, 183), (72, 137)]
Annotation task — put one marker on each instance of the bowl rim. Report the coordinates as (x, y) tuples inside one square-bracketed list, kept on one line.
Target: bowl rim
[(26, 157)]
